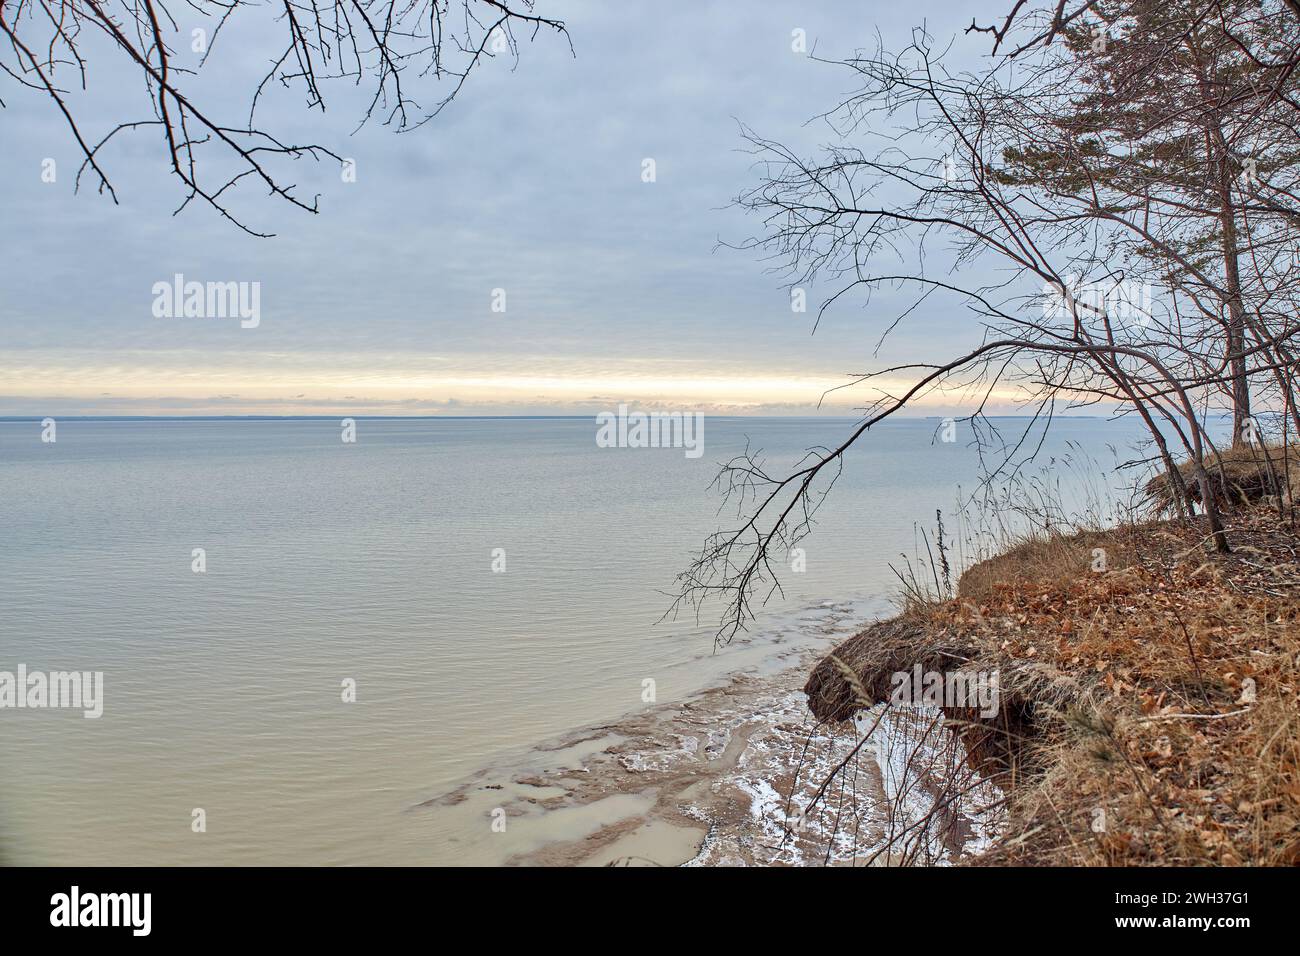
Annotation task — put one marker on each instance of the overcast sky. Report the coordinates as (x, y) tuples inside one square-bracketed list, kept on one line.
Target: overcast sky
[(616, 289)]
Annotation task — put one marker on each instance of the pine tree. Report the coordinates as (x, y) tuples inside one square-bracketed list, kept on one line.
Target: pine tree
[(1164, 119)]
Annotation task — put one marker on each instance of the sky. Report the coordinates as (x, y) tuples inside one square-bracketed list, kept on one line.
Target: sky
[(616, 290)]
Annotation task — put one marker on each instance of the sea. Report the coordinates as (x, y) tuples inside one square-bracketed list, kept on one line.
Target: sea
[(304, 640)]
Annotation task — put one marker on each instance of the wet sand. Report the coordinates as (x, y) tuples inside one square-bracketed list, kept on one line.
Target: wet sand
[(718, 779)]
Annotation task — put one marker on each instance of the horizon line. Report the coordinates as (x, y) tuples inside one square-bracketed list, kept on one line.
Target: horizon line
[(218, 418)]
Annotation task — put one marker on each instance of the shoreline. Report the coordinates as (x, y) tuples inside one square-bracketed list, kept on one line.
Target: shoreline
[(718, 778), (699, 781)]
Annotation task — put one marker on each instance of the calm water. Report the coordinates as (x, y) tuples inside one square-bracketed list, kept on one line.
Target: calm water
[(373, 561)]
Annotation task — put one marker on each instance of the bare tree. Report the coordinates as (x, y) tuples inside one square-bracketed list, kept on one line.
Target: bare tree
[(393, 50), (944, 205)]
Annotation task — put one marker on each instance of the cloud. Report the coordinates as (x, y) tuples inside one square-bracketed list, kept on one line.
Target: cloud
[(530, 183)]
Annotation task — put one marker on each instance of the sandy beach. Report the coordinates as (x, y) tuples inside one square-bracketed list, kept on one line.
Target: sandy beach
[(723, 778), (706, 781)]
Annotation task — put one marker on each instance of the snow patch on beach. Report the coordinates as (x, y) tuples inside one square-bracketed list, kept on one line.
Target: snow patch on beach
[(662, 758), (936, 804)]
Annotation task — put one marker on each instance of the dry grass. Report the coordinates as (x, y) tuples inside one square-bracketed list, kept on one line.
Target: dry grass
[(1149, 712), (1051, 559), (1239, 477)]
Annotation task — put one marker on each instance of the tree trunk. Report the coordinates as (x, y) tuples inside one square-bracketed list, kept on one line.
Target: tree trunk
[(1212, 517), (1236, 344)]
